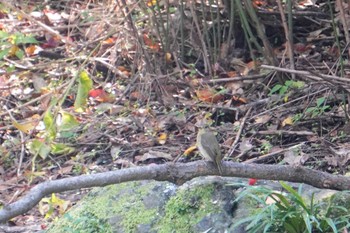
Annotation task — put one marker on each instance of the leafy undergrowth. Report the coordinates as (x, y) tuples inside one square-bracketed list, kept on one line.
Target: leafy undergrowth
[(92, 86)]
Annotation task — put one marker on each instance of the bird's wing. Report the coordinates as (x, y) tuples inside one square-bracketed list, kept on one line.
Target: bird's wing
[(209, 146)]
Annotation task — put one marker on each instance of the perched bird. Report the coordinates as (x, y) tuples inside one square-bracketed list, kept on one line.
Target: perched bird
[(209, 147)]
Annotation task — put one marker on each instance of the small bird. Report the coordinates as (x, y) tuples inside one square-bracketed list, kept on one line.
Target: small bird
[(209, 147)]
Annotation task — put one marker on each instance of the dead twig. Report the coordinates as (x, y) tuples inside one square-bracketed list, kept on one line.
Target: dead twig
[(280, 132), (264, 157), (238, 135)]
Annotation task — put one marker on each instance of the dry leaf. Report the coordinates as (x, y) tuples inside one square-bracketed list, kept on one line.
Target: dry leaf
[(250, 67), (155, 155), (209, 95), (292, 158), (162, 138), (154, 46), (190, 150), (262, 119), (287, 121), (27, 126), (168, 57)]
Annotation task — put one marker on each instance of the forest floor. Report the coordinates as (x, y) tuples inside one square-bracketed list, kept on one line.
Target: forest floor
[(93, 86)]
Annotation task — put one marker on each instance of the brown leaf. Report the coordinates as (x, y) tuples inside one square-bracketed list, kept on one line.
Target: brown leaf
[(155, 155)]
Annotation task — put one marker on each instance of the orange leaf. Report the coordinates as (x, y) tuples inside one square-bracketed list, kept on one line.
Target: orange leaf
[(239, 99), (124, 70), (190, 150), (135, 95), (151, 43), (109, 41), (232, 74), (30, 50), (209, 95)]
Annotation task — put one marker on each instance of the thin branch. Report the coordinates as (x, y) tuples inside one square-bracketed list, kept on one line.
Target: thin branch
[(238, 135), (272, 154)]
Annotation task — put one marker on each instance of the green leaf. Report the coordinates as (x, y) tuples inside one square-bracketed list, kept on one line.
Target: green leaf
[(4, 35), (20, 54), (289, 228), (60, 148), (283, 90), (280, 198), (37, 147), (28, 40), (275, 89), (4, 53), (320, 101), (68, 121), (307, 222), (288, 83), (296, 195), (311, 109), (85, 85), (50, 125)]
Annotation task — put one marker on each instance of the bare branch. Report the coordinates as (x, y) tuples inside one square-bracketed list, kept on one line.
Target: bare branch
[(176, 173)]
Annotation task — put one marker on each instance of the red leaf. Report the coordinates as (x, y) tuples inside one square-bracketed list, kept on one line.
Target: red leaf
[(95, 93), (252, 181), (101, 95)]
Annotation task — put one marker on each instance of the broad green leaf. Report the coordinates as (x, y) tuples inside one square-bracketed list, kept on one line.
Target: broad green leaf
[(49, 125), (85, 85), (37, 147), (67, 124)]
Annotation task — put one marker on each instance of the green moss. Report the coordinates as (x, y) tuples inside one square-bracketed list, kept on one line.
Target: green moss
[(122, 200), (340, 199), (186, 209), (87, 223)]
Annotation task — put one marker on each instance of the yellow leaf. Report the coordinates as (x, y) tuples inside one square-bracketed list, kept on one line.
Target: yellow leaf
[(287, 121), (151, 3), (168, 57), (28, 126), (190, 150), (162, 138)]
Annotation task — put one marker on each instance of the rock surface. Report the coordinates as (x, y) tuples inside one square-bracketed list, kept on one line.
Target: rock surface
[(204, 204)]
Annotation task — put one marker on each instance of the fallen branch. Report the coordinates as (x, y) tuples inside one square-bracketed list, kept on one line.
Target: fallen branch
[(176, 173)]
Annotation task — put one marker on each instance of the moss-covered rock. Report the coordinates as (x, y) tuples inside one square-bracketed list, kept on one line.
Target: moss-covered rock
[(149, 206), (204, 204)]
